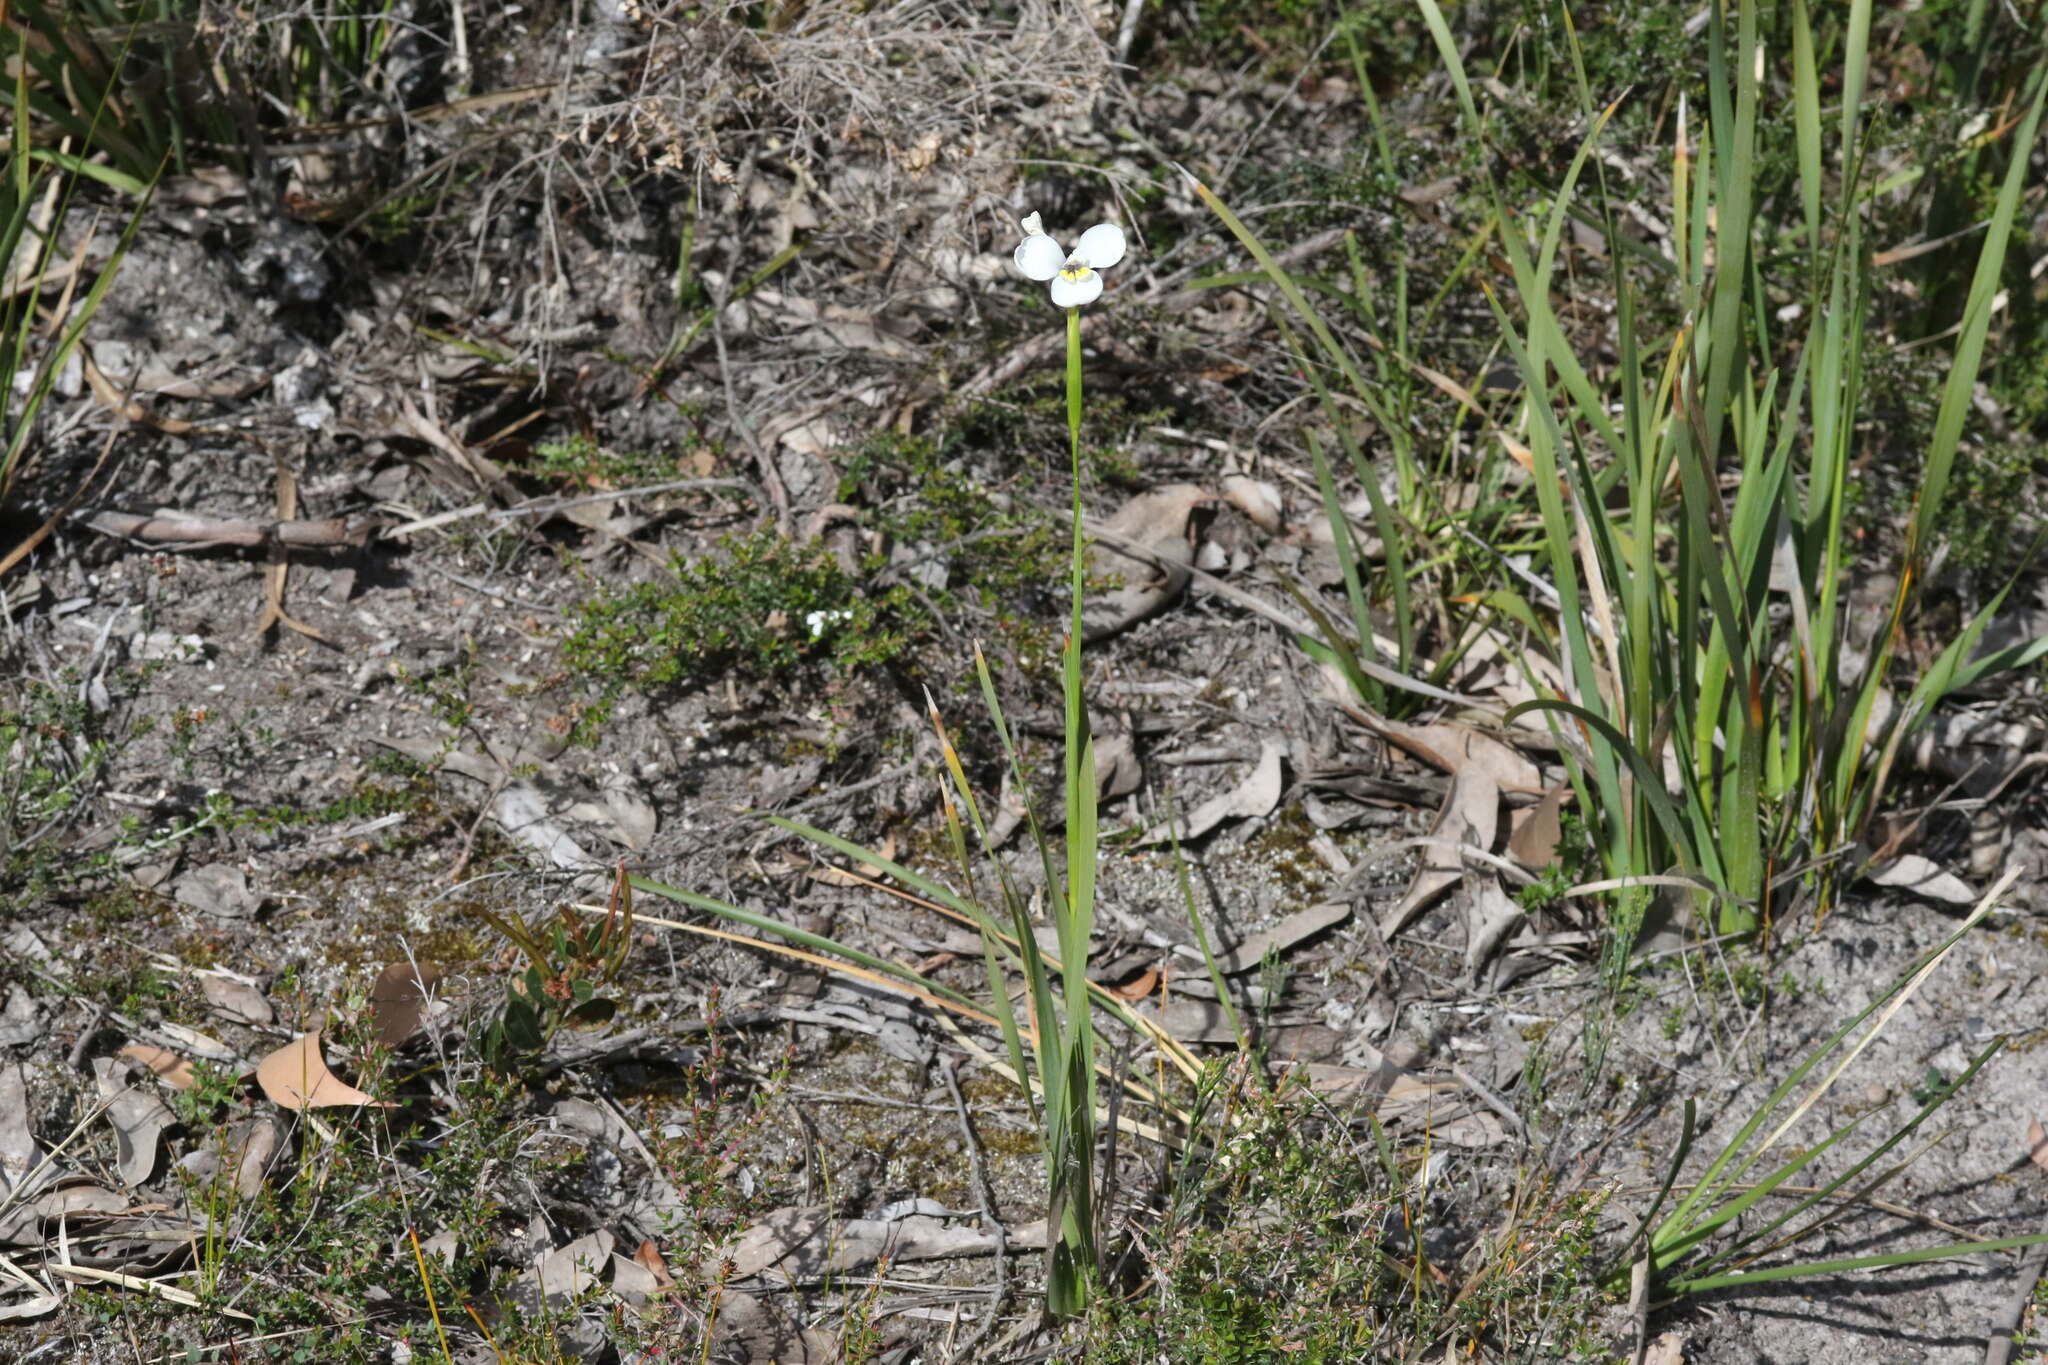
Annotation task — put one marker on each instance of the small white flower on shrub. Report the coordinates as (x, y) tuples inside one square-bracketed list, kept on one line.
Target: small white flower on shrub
[(1073, 275), (818, 620)]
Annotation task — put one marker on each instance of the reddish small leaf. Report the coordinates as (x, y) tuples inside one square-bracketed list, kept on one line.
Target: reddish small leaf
[(649, 1257), (2037, 1143), (1139, 986)]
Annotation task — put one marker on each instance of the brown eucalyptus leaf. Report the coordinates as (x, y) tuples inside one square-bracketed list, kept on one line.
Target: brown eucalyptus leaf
[(296, 1077), (165, 1065), (1538, 829), (399, 997)]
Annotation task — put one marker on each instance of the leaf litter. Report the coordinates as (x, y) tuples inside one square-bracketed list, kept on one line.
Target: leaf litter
[(296, 1077)]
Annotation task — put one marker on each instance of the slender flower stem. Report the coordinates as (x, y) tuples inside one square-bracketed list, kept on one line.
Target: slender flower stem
[(1072, 1272)]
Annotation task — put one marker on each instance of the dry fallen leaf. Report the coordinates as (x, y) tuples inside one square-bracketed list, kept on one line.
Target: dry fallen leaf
[(398, 999), (236, 1000), (296, 1077), (139, 1120), (649, 1257), (1256, 499), (165, 1065), (566, 1272), (1255, 796), (1296, 928), (1925, 878), (204, 1046), (1538, 829), (1481, 768), (1139, 986), (1490, 914), (1146, 549), (18, 1151), (1117, 770), (2037, 1143)]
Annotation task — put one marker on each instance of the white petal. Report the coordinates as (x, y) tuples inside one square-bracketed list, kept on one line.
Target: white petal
[(1101, 247), (1039, 257), (1033, 225), (1068, 293)]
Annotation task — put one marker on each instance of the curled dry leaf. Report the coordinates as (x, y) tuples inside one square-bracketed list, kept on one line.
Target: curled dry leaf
[(254, 1143), (139, 1120), (649, 1257), (1481, 768), (234, 1000), (1538, 829), (1117, 770), (1255, 796), (1924, 878), (1297, 928), (19, 1153), (1256, 499), (398, 1000), (165, 1065), (296, 1077), (204, 1046), (1147, 547), (2037, 1143), (1139, 986)]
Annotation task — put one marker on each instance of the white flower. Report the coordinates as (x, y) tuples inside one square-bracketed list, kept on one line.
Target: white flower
[(818, 620), (1074, 281)]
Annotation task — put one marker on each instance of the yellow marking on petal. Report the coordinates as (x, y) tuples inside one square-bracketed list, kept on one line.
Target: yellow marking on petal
[(1076, 274)]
